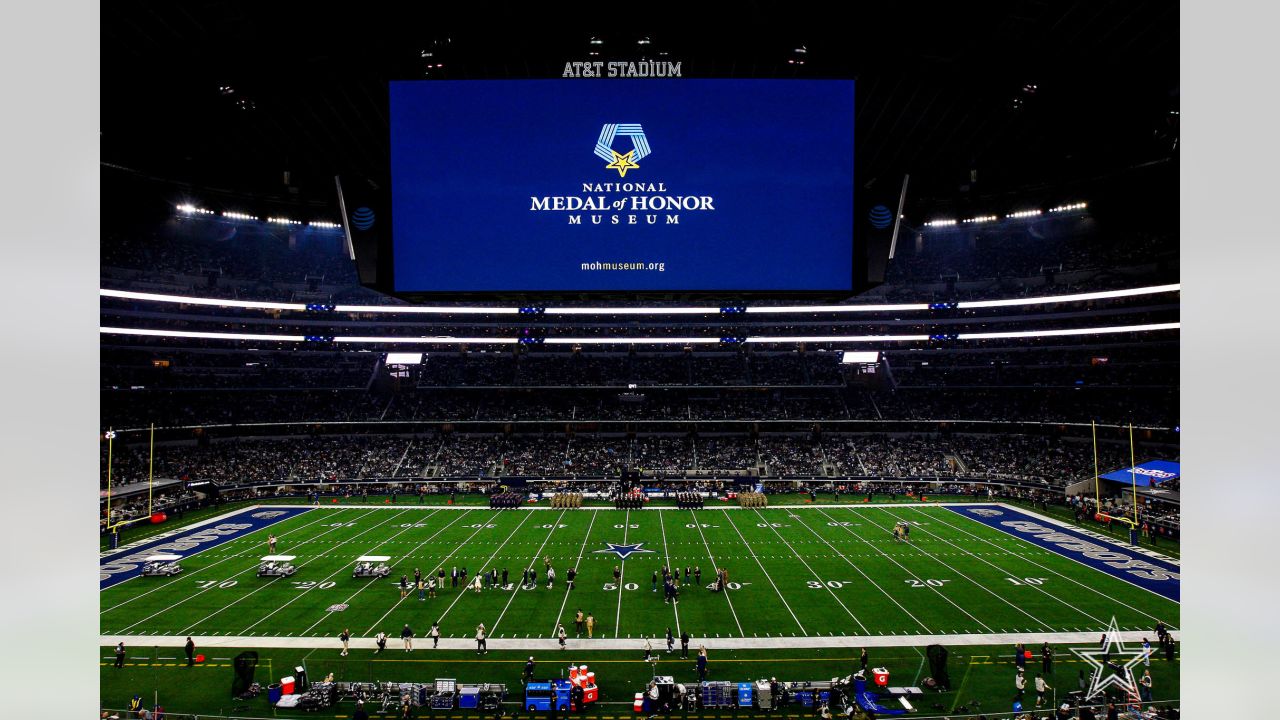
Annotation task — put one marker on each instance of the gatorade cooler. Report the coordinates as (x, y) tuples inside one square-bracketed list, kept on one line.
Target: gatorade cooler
[(287, 685), (591, 678), (573, 672), (590, 694), (638, 705), (880, 676)]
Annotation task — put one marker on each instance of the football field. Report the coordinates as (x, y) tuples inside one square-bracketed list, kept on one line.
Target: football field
[(803, 576)]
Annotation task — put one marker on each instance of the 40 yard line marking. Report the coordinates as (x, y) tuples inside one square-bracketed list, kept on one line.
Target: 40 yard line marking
[(581, 551), (197, 594), (810, 569), (716, 568), (536, 555), (371, 528), (910, 574), (765, 573)]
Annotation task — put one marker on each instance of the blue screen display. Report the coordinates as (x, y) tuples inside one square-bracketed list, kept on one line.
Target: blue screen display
[(622, 185)]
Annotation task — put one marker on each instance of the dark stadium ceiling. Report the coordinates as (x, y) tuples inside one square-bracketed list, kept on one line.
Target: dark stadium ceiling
[(974, 100)]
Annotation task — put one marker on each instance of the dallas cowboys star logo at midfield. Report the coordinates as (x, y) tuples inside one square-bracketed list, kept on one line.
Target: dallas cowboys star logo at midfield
[(1119, 671), (622, 551)]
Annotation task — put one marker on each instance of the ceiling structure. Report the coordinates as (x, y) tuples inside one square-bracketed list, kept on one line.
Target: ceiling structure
[(977, 101)]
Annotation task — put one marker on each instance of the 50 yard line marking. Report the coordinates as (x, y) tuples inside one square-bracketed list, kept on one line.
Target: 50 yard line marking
[(360, 534), (716, 568), (810, 569), (666, 557), (622, 574), (536, 554), (755, 557), (581, 551)]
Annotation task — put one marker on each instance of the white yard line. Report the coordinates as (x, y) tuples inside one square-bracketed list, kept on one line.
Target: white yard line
[(242, 572), (715, 568), (622, 575), (405, 556), (666, 558), (867, 577), (810, 569), (1064, 577), (485, 563), (920, 549), (910, 574), (1007, 573), (732, 643), (537, 554), (369, 529), (755, 557), (185, 575), (581, 552)]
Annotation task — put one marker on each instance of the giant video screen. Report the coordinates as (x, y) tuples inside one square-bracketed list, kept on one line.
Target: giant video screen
[(598, 185)]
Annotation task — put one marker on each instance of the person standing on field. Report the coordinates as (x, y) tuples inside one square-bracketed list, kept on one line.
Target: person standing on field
[(435, 635), (191, 651), (120, 654), (271, 544), (407, 635), (591, 626), (345, 637)]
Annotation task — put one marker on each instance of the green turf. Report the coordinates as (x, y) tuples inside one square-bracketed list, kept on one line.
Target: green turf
[(803, 572), (982, 673)]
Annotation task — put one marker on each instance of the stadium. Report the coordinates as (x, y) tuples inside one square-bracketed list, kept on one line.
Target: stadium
[(475, 364)]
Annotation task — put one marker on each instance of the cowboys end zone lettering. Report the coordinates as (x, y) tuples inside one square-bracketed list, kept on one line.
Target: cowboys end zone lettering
[(1158, 576), (126, 565)]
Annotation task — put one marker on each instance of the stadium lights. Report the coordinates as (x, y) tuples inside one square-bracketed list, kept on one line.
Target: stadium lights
[(323, 224), (980, 219), (237, 215), (1067, 208), (1078, 297), (199, 335), (656, 311), (631, 341), (940, 223), (190, 209), (1023, 214), (835, 338), (404, 358), (283, 221), (437, 340), (1071, 331), (860, 357)]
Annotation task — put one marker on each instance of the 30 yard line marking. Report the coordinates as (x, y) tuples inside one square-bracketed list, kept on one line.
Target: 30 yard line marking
[(920, 549), (201, 592), (666, 558), (755, 557), (716, 568), (486, 562), (369, 529), (581, 551), (923, 628), (810, 569), (185, 575), (910, 574), (536, 555), (1055, 572)]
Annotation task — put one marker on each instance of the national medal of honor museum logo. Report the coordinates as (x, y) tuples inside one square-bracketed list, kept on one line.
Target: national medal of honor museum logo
[(622, 162)]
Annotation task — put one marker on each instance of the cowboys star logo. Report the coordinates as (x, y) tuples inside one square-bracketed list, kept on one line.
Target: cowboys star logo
[(622, 551), (1117, 670)]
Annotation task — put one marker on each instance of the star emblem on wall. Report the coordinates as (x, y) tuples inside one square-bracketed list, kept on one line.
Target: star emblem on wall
[(1118, 671), (623, 163), (622, 551)]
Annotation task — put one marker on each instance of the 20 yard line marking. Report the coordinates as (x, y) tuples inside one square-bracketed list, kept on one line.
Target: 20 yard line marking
[(766, 574), (666, 557)]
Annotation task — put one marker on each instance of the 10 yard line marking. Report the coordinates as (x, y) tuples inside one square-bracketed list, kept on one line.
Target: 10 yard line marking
[(766, 574), (1055, 572), (371, 528), (536, 554), (201, 592), (212, 564), (716, 567), (581, 552), (810, 569), (667, 561), (1006, 572), (622, 573)]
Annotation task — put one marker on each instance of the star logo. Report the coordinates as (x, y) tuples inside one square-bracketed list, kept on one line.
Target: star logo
[(622, 551), (622, 163), (1118, 670)]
